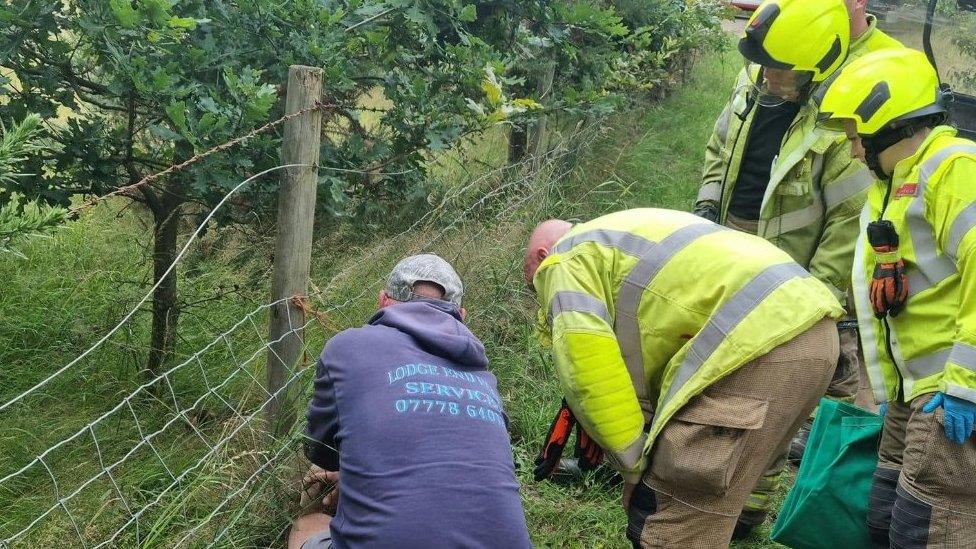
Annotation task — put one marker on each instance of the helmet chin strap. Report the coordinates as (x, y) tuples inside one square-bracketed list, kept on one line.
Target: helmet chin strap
[(880, 142)]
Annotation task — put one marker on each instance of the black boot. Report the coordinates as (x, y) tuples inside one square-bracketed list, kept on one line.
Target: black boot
[(742, 530), (799, 443)]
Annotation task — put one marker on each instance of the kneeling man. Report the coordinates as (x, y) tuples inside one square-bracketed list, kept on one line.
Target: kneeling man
[(407, 412)]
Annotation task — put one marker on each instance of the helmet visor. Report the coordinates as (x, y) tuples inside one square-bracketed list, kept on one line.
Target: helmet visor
[(773, 87), (826, 121)]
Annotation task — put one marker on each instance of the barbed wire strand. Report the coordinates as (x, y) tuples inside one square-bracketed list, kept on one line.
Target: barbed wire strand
[(197, 157)]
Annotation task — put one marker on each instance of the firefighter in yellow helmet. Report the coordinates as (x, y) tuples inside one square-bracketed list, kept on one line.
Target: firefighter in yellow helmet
[(688, 351), (770, 171), (915, 288)]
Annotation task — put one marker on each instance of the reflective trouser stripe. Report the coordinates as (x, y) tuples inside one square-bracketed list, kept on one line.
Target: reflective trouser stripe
[(711, 191), (867, 325), (849, 187), (881, 499), (932, 266), (911, 521), (627, 243), (629, 298), (578, 302), (963, 354), (726, 319)]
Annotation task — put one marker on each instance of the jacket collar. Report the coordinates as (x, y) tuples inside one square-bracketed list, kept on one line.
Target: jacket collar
[(905, 166), (860, 40)]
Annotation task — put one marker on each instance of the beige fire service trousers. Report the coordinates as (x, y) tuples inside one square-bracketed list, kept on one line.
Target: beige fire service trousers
[(924, 489), (710, 455)]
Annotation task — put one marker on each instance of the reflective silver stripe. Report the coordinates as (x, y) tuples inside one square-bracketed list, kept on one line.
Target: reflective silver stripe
[(963, 354), (965, 221), (961, 392), (847, 188), (578, 302), (924, 366), (792, 221), (711, 191), (631, 292), (722, 124), (867, 325), (627, 243), (628, 458), (916, 283), (726, 319), (934, 267)]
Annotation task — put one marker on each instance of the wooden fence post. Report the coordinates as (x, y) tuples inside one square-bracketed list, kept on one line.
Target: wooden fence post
[(538, 141), (293, 245)]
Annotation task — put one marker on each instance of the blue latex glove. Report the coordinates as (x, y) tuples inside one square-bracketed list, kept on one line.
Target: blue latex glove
[(883, 409), (960, 415)]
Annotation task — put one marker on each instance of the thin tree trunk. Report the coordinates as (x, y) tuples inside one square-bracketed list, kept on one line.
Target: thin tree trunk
[(165, 309)]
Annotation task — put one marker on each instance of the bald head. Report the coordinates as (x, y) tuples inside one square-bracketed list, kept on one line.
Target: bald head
[(541, 241)]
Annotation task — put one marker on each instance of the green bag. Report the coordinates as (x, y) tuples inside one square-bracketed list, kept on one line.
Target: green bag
[(828, 504)]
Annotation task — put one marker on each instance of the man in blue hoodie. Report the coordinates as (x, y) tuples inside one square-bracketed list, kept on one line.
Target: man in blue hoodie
[(406, 411)]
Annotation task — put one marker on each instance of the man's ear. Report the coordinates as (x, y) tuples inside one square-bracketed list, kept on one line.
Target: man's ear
[(541, 253), (384, 299), (464, 314)]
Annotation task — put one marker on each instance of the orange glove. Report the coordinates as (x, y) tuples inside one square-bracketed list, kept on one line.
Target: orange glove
[(588, 452), (889, 285), (889, 288), (552, 450)]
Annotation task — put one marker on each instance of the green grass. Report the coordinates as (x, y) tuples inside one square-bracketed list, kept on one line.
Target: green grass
[(75, 286)]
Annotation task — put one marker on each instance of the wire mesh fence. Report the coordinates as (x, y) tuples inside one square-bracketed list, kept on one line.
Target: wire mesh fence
[(183, 456)]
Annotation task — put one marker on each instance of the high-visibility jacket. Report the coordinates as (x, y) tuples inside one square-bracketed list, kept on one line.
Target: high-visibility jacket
[(646, 308), (931, 345), (815, 191)]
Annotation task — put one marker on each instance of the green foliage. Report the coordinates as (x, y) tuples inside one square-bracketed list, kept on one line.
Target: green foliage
[(962, 69), (17, 220), (664, 40), (17, 145), (151, 82)]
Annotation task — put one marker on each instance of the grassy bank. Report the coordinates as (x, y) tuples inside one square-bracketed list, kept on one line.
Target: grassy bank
[(74, 287)]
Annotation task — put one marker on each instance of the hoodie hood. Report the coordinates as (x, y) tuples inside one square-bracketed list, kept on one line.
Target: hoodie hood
[(437, 328)]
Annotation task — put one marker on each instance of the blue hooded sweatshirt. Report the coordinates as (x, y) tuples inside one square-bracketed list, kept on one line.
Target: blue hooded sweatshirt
[(407, 411)]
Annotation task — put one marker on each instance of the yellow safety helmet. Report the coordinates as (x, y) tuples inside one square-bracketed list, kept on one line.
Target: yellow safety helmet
[(800, 35), (881, 91)]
